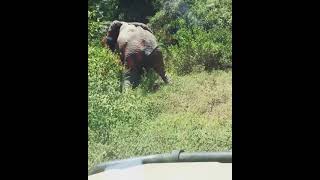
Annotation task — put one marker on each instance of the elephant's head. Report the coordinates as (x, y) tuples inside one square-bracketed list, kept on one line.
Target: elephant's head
[(111, 37), (110, 40)]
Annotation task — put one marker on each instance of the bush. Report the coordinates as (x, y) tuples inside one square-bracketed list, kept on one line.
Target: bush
[(111, 112), (198, 34), (199, 48), (96, 27)]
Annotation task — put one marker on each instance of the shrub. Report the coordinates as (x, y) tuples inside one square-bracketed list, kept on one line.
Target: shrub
[(197, 47), (110, 112), (198, 34)]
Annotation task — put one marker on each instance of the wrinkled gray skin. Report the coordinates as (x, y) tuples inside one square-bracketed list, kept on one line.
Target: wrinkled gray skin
[(138, 50)]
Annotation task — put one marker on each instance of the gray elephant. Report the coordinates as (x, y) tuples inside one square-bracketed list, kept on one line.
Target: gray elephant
[(138, 50)]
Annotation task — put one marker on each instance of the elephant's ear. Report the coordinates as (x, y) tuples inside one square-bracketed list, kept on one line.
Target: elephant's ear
[(112, 34), (143, 26), (115, 26)]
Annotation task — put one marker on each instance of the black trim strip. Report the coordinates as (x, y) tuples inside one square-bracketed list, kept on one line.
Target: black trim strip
[(175, 156)]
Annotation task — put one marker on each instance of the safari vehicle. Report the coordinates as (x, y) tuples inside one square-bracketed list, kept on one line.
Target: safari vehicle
[(176, 165)]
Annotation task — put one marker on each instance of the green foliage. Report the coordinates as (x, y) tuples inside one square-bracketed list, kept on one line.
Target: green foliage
[(104, 9), (198, 48), (149, 81), (137, 10), (212, 14), (193, 114), (125, 10), (108, 107), (110, 112), (197, 33)]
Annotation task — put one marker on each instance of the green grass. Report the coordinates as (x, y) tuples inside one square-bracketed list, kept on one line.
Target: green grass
[(193, 113)]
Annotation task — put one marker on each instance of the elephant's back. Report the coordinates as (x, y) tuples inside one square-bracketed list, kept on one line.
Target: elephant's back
[(137, 40)]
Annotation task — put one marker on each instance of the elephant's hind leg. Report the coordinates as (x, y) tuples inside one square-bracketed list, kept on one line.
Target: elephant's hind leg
[(158, 65), (160, 70)]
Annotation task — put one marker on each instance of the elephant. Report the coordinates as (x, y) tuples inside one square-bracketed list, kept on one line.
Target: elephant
[(138, 49)]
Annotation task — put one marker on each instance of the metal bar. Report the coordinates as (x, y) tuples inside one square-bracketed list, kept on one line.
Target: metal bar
[(175, 156), (223, 157)]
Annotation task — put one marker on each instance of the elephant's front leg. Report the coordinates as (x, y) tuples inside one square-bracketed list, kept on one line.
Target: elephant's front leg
[(132, 77), (132, 74)]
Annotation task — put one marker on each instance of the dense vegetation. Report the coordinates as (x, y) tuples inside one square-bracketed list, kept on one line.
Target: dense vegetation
[(192, 113)]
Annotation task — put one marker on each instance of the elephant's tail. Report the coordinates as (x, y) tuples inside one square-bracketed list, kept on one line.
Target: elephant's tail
[(162, 46)]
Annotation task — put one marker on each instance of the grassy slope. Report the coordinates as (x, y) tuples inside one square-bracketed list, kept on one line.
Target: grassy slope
[(194, 114)]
